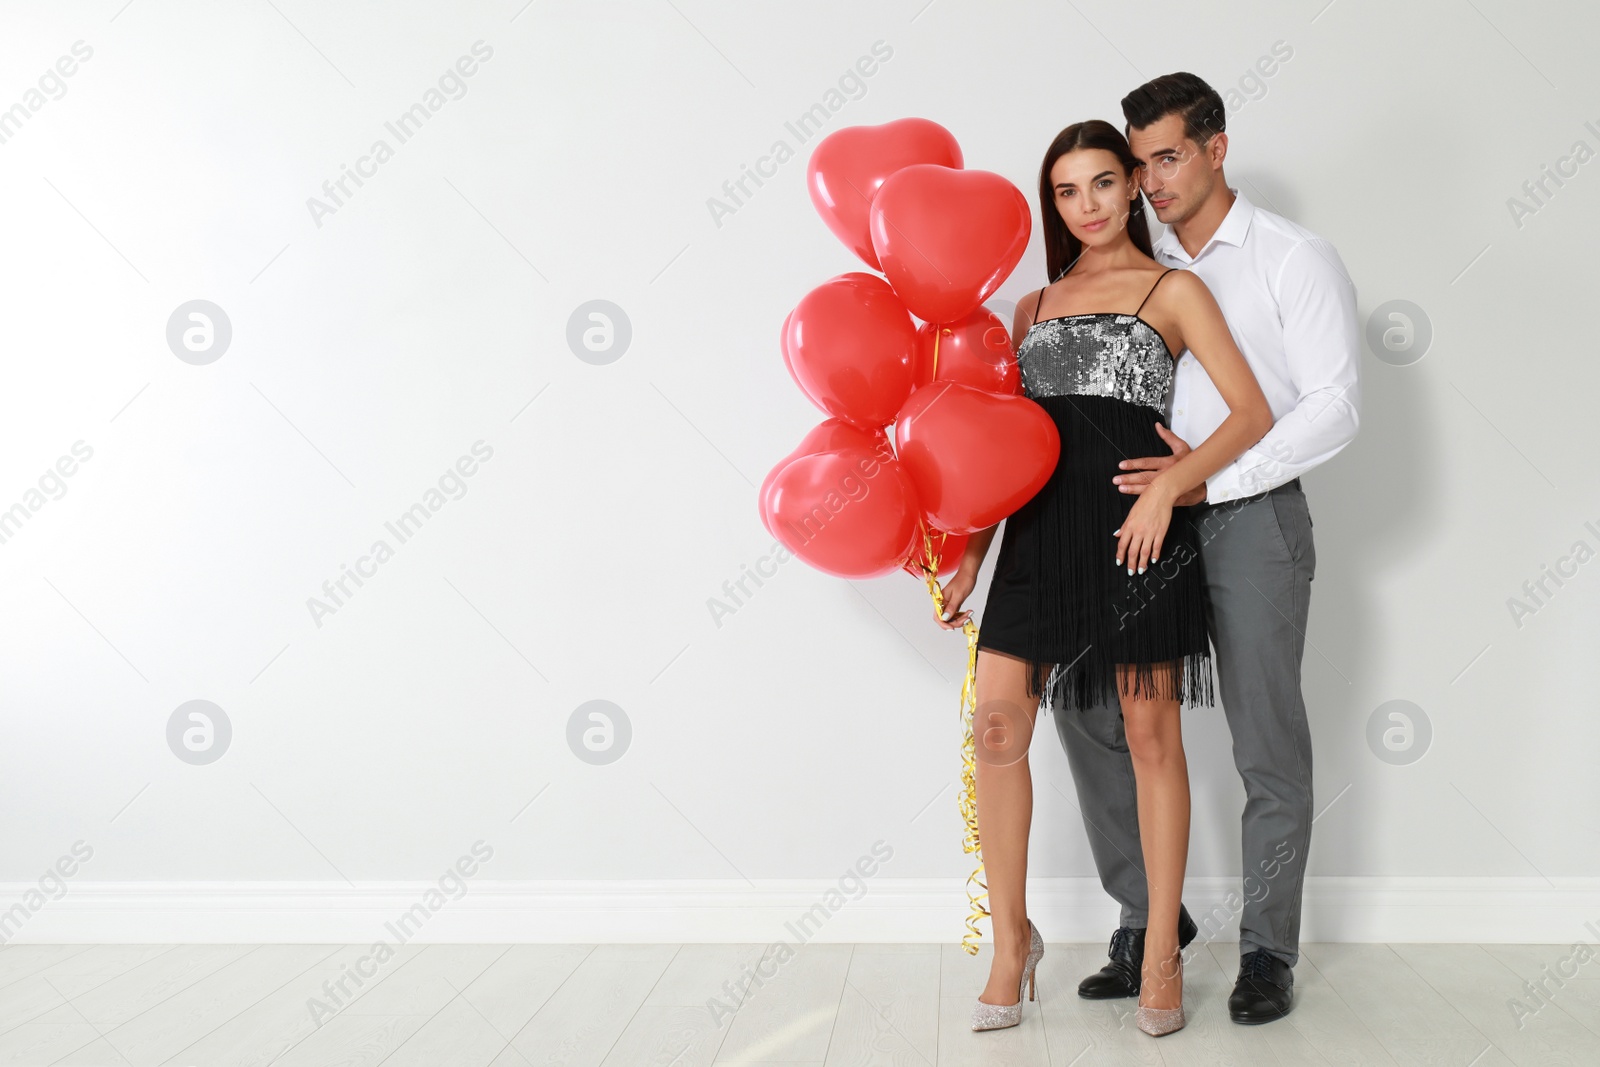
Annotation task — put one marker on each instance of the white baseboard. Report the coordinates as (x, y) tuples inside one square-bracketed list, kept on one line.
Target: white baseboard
[(1526, 910)]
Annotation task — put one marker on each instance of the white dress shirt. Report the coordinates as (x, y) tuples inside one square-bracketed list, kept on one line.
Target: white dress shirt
[(1291, 308)]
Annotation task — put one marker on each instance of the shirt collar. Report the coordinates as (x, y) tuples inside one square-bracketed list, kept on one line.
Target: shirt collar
[(1235, 225)]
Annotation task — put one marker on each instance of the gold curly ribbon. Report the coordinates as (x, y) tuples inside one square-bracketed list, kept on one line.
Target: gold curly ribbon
[(968, 800), (977, 888)]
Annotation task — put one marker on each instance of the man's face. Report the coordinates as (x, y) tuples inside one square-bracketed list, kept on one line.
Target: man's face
[(1178, 174)]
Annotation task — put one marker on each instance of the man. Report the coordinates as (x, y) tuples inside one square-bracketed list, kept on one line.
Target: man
[(1291, 308)]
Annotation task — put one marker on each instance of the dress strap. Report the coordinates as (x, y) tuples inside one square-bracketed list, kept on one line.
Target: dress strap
[(1037, 302), (1146, 299)]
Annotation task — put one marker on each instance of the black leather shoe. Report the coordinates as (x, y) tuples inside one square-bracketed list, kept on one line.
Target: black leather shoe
[(1121, 976), (1264, 991)]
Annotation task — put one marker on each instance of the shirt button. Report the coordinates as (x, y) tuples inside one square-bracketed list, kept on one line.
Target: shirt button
[(1178, 412)]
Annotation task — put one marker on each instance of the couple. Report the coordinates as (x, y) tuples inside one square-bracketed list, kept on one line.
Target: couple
[(1110, 588)]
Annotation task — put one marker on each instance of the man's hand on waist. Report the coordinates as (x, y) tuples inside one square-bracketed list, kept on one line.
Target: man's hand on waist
[(1139, 473)]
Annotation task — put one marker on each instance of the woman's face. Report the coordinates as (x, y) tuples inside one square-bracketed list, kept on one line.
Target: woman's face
[(1093, 194)]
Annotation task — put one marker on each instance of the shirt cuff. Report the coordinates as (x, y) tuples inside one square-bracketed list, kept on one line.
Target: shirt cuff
[(1222, 485), (1245, 476)]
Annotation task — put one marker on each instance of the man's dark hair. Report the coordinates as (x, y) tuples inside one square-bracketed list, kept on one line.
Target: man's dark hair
[(1183, 94)]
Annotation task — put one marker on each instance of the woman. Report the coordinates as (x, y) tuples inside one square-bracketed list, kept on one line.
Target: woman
[(1094, 593)]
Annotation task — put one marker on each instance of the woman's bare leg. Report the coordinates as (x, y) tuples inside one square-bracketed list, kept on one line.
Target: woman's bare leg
[(1002, 727), (1154, 730)]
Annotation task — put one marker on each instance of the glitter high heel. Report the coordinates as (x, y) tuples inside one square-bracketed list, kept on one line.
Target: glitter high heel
[(1158, 1021), (1000, 1016)]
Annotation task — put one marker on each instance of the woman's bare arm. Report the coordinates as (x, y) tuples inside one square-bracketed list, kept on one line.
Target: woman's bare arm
[(1204, 332)]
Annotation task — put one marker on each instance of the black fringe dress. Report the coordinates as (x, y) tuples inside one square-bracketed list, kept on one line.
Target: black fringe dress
[(1057, 598)]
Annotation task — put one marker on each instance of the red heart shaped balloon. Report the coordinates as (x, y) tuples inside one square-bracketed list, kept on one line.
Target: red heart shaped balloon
[(848, 344), (827, 435), (948, 238), (974, 350), (846, 512), (848, 166), (974, 457)]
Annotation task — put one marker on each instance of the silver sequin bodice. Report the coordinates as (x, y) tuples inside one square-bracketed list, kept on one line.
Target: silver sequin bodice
[(1113, 355)]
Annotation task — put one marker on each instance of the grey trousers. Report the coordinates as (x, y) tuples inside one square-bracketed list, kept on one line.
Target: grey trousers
[(1259, 561)]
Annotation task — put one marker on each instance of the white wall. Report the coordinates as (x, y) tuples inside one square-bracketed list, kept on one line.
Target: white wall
[(430, 311)]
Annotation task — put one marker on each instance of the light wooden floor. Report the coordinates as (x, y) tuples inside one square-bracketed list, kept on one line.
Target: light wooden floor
[(637, 1005)]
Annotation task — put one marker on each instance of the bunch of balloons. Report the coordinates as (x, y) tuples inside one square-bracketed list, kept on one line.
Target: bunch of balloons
[(967, 449)]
